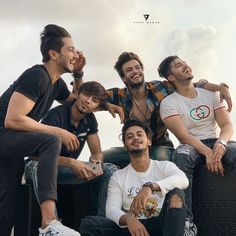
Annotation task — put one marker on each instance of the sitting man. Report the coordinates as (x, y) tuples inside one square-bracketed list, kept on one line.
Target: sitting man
[(78, 118), (191, 115), (144, 198)]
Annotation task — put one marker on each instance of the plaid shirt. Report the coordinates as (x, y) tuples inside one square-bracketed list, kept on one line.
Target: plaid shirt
[(156, 91)]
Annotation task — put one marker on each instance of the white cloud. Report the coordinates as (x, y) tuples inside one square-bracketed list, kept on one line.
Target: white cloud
[(103, 29)]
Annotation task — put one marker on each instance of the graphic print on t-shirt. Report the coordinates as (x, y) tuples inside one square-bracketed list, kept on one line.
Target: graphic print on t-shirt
[(199, 113)]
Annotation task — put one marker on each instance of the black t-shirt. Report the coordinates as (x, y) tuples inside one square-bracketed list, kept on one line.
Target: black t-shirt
[(60, 117), (36, 85)]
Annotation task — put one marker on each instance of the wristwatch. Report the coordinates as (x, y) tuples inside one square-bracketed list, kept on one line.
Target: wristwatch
[(222, 141), (150, 185)]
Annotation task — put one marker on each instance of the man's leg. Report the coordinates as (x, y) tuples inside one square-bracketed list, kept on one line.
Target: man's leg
[(161, 153), (17, 145), (10, 178), (103, 182), (98, 226), (174, 213), (187, 158), (117, 155), (229, 157)]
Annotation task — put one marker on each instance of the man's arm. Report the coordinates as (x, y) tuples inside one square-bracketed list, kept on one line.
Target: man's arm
[(222, 88), (16, 118), (226, 131), (94, 147), (79, 167)]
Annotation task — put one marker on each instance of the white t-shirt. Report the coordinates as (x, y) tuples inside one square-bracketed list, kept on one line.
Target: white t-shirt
[(126, 183), (197, 113)]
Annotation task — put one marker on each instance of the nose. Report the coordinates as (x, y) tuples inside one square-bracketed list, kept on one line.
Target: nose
[(76, 55), (89, 99)]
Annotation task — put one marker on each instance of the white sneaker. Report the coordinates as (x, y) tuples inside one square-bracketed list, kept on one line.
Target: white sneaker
[(56, 228)]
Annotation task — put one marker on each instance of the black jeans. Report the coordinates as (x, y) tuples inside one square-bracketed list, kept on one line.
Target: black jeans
[(170, 222), (14, 146)]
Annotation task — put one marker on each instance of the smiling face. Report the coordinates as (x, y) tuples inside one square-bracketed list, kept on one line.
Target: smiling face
[(136, 140), (67, 56), (86, 103), (133, 74), (179, 71)]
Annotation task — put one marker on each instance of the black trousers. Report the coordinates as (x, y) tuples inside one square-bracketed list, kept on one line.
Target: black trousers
[(14, 146), (170, 222)]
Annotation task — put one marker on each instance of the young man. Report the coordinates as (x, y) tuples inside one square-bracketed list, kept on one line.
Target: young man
[(140, 100), (78, 118), (192, 115), (144, 198), (22, 105)]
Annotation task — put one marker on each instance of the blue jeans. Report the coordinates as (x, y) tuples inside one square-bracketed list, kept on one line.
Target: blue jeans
[(170, 222), (120, 157), (67, 176), (187, 158)]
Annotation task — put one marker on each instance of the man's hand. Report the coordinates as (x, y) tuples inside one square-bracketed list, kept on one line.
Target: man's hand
[(218, 151), (135, 227), (70, 141), (212, 165), (225, 95), (83, 170), (80, 63), (116, 109), (139, 201)]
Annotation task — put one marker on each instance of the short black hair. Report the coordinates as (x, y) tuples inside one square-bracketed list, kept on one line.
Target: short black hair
[(164, 67), (123, 58), (51, 39), (93, 88), (133, 122)]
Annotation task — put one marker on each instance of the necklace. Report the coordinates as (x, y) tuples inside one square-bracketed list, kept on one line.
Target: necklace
[(144, 114)]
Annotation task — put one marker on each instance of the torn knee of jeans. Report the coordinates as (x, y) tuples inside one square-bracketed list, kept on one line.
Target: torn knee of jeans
[(175, 201)]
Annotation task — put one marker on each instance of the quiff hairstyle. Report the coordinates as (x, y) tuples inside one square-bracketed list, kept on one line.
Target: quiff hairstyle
[(51, 39)]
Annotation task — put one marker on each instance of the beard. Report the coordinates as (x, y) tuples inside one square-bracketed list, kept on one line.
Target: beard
[(190, 77), (137, 152), (135, 84), (80, 110)]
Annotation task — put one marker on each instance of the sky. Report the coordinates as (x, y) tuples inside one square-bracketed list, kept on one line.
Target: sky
[(202, 32)]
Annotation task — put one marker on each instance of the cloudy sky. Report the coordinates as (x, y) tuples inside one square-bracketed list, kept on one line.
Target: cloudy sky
[(202, 32)]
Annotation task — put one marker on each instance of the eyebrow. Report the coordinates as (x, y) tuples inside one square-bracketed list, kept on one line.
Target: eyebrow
[(138, 132)]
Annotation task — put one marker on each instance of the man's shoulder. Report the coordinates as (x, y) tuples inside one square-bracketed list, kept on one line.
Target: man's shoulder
[(37, 70), (36, 74), (170, 98), (121, 172)]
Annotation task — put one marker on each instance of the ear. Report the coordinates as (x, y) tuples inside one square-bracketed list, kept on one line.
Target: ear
[(171, 78), (149, 142), (123, 79), (52, 54)]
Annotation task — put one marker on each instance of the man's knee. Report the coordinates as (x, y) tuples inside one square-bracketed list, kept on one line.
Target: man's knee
[(176, 198), (162, 153), (53, 140)]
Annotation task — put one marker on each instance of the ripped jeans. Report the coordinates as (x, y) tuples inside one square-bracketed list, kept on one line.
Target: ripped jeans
[(187, 158)]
